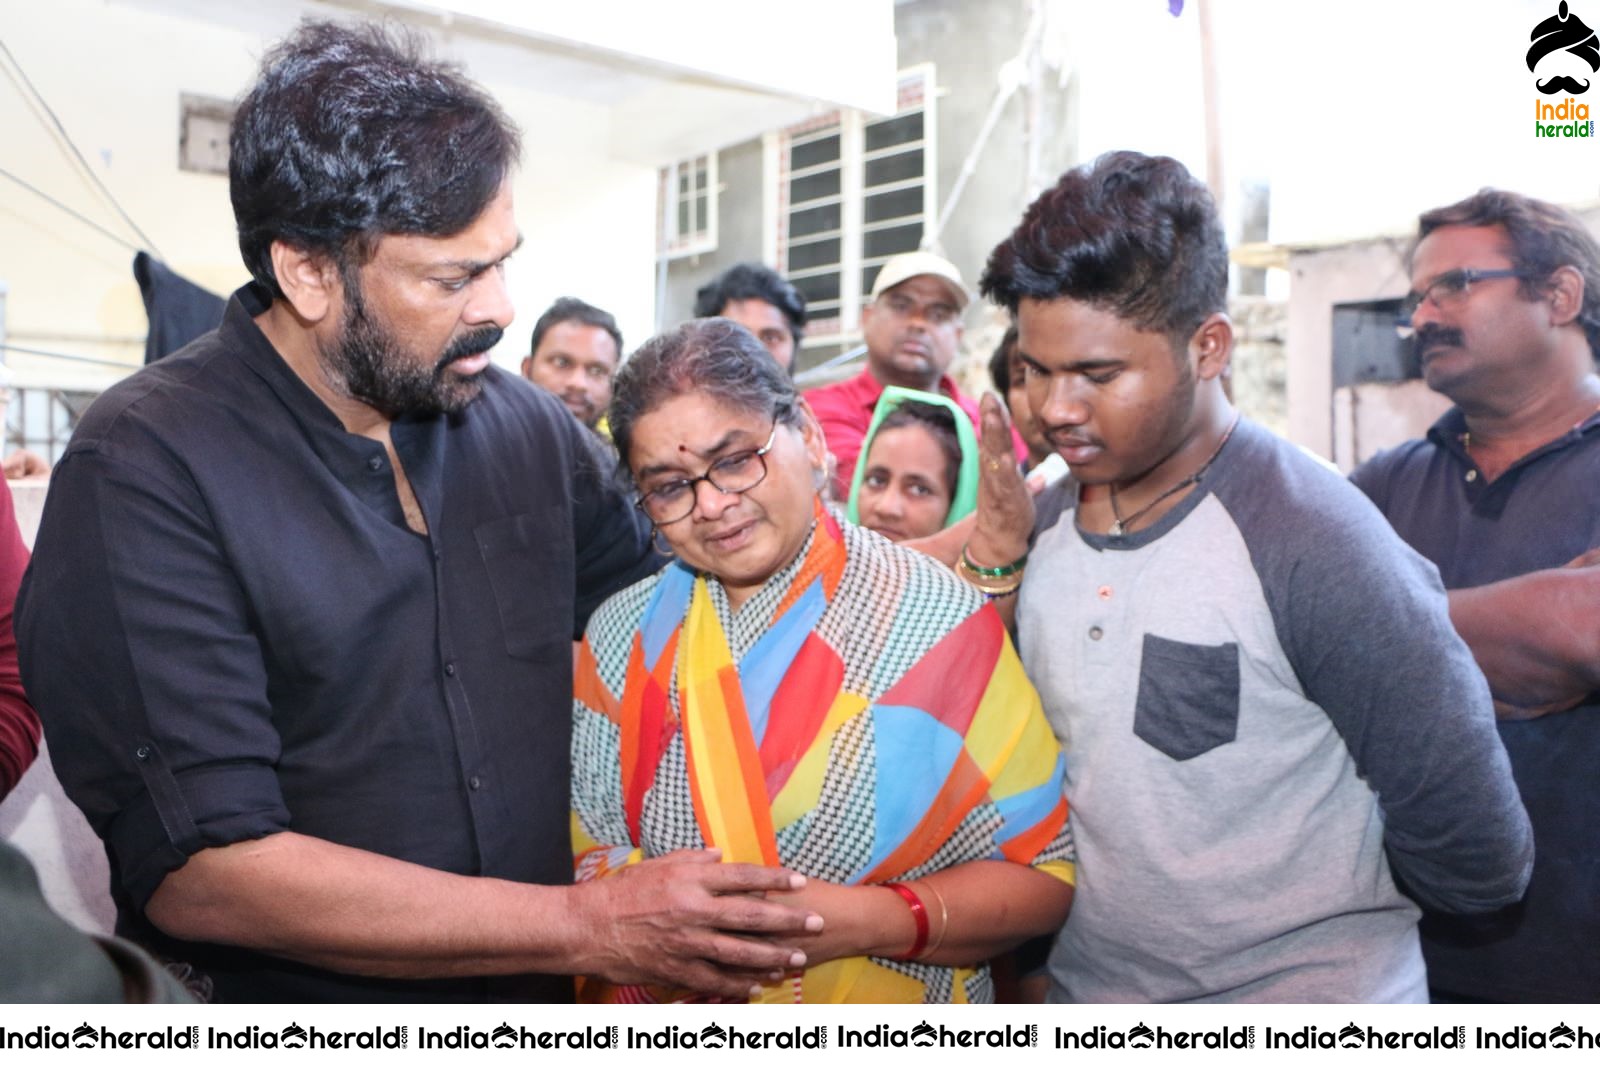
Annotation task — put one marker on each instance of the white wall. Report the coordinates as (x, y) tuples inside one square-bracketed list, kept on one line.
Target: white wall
[(113, 77), (588, 221), (771, 50), (114, 73)]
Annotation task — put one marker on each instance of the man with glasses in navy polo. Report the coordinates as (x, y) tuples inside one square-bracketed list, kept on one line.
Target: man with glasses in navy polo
[(1505, 314)]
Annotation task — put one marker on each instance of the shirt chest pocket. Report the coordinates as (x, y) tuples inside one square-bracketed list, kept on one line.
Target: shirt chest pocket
[(530, 565), (1188, 696)]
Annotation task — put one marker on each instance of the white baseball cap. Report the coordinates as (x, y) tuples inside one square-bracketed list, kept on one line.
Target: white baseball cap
[(908, 265)]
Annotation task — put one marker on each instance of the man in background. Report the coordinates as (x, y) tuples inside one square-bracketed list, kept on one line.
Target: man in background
[(575, 353), (912, 329), (759, 299), (1502, 496)]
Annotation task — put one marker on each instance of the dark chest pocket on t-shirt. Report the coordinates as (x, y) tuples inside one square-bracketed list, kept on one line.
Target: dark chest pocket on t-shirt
[(1188, 696), (530, 570)]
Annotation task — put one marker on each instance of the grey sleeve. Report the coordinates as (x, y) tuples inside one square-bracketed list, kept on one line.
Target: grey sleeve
[(1365, 623)]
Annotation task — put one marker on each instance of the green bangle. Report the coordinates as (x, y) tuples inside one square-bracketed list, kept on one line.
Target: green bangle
[(989, 587), (994, 572)]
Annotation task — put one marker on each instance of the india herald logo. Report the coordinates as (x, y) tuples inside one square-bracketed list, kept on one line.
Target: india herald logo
[(1563, 34)]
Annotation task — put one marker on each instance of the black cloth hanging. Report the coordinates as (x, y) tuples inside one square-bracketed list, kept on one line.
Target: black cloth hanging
[(178, 309)]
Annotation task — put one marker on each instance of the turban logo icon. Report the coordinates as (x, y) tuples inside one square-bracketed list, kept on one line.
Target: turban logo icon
[(1564, 32)]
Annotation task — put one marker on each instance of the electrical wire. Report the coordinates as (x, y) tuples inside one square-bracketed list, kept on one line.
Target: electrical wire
[(123, 241), (61, 130), (4, 347)]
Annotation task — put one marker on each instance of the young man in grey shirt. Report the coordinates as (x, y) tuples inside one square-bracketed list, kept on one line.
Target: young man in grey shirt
[(1276, 742)]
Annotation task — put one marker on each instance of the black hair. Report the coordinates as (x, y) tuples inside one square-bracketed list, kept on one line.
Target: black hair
[(1000, 362), (939, 423), (1131, 234), (571, 309), (1544, 237), (753, 281), (350, 134), (710, 357)]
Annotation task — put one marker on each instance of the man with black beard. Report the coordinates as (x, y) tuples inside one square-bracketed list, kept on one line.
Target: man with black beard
[(300, 617)]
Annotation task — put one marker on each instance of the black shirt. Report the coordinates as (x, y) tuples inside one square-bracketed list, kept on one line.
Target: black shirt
[(1542, 512), (229, 631)]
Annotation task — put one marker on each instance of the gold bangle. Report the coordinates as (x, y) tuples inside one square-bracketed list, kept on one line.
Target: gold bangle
[(991, 587), (944, 921)]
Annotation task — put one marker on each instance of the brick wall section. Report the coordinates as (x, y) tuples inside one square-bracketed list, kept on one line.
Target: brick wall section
[(1261, 360)]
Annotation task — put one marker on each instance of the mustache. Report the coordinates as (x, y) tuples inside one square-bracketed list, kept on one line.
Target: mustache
[(1432, 335), (1563, 84), (470, 344), (1072, 434)]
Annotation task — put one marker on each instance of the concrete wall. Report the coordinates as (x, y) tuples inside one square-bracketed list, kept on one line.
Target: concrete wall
[(741, 172), (1367, 270), (967, 42), (1374, 416), (1260, 360)]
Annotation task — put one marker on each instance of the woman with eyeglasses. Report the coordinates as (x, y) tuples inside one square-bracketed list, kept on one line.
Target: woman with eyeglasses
[(797, 692)]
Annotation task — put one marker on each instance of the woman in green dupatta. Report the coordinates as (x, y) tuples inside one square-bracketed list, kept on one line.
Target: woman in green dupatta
[(919, 466), (797, 692)]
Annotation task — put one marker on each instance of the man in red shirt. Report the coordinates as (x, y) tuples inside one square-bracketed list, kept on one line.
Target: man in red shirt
[(911, 328)]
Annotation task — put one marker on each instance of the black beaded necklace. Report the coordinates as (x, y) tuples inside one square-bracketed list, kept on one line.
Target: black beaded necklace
[(1120, 526)]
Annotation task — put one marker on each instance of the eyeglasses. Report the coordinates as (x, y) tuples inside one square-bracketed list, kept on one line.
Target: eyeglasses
[(903, 307), (1447, 290), (737, 472)]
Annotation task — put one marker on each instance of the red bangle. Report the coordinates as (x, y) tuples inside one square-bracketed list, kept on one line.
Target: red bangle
[(919, 915)]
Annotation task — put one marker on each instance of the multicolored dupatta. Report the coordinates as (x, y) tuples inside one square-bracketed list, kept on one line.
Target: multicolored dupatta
[(877, 727)]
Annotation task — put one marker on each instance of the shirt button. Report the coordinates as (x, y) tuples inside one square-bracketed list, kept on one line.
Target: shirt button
[(475, 783), (1472, 476), (1104, 592), (450, 669), (1095, 633), (375, 463)]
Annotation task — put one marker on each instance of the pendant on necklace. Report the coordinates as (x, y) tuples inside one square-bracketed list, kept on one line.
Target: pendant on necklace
[(1116, 528)]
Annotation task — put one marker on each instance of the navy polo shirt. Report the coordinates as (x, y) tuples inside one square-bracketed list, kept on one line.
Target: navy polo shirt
[(229, 630), (1541, 513)]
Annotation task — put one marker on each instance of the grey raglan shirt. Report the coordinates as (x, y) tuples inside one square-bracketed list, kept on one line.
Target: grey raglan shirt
[(1268, 721)]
